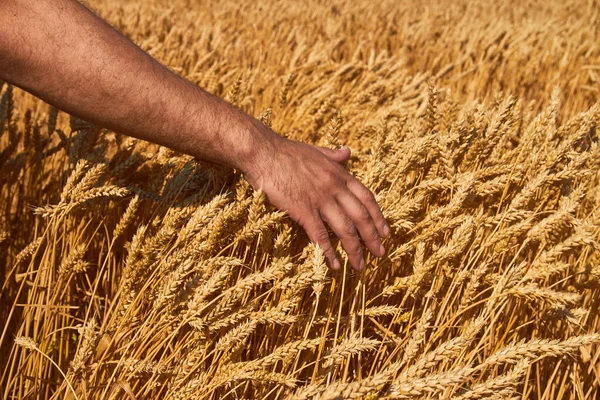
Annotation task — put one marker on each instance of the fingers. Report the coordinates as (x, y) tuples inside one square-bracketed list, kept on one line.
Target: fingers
[(365, 196), (343, 226), (361, 217), (316, 231), (340, 155)]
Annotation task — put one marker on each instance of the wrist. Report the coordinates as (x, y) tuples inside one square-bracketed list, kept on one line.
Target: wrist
[(230, 137), (255, 145)]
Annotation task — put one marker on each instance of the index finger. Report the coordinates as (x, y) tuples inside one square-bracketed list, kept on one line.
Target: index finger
[(368, 199)]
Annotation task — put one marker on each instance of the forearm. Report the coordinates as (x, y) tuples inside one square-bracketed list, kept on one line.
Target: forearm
[(64, 54)]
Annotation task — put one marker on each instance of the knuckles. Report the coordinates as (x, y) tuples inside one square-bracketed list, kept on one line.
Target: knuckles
[(350, 228), (374, 235), (364, 215), (322, 237), (331, 179), (367, 197), (354, 248)]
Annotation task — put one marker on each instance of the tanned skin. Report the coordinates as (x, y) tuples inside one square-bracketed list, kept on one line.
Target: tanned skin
[(66, 55)]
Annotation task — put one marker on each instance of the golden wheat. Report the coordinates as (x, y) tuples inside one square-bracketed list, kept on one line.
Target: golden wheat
[(132, 271)]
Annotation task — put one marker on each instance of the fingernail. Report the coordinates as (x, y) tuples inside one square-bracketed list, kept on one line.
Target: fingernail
[(362, 265), (336, 264), (386, 230), (381, 250)]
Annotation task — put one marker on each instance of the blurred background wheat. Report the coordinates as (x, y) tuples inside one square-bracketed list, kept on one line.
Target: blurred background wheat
[(131, 271)]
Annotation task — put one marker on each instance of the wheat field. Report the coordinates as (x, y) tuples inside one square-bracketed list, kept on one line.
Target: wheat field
[(130, 271)]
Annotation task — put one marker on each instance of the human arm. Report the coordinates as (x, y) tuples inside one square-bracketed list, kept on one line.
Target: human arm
[(63, 53)]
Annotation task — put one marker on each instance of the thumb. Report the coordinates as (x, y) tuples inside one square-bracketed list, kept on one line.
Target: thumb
[(340, 155)]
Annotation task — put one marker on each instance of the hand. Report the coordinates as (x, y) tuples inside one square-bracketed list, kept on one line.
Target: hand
[(310, 184)]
